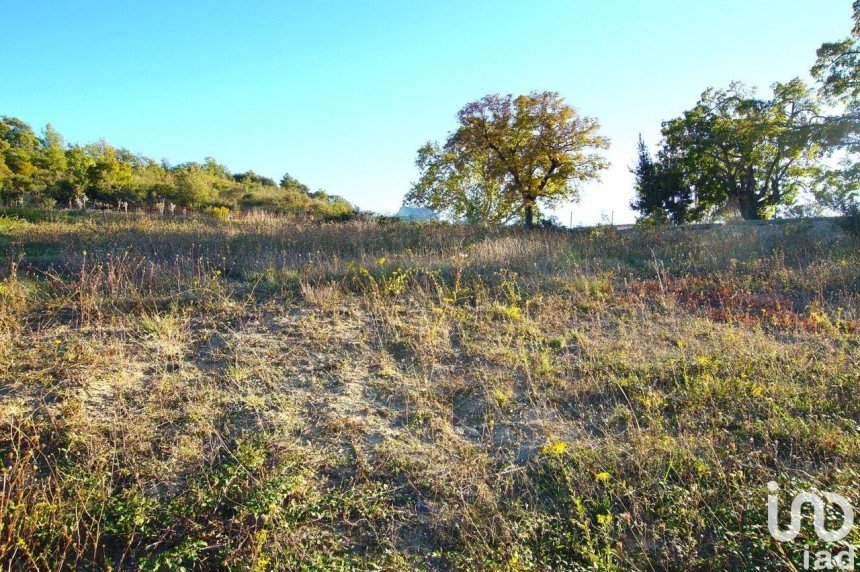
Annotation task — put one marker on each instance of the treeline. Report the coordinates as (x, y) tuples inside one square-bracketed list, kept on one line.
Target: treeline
[(734, 154), (42, 170)]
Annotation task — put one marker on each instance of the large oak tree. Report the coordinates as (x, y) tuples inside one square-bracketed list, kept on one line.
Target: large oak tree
[(740, 150), (510, 155)]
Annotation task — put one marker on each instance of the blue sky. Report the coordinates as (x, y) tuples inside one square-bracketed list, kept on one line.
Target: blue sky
[(342, 94)]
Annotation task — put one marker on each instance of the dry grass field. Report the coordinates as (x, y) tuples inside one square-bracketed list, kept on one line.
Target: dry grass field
[(269, 395)]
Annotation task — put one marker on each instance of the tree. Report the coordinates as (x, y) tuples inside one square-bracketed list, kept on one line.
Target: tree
[(290, 183), (250, 177), (18, 134), (838, 65), (837, 70), (77, 174), (109, 176), (5, 171), (20, 148), (754, 154), (192, 187), (531, 150), (662, 193), (216, 169), (51, 158), (46, 168), (20, 164), (648, 196), (461, 187)]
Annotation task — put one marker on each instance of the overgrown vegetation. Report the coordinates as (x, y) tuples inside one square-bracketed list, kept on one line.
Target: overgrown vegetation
[(257, 394), (43, 171)]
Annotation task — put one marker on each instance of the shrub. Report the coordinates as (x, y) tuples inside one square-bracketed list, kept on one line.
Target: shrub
[(220, 213)]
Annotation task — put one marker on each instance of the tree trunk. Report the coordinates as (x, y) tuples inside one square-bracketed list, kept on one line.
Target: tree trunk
[(529, 215), (749, 209)]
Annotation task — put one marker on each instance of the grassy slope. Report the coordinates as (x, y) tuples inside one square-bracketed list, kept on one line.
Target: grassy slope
[(256, 394)]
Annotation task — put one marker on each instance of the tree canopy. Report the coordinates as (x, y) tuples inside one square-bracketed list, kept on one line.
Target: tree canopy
[(460, 187), (509, 156), (736, 150), (47, 170), (662, 194), (837, 70)]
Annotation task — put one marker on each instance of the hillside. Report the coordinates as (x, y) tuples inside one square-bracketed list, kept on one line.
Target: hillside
[(44, 171), (261, 394)]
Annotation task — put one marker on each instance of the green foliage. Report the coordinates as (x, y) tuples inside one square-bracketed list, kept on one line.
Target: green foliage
[(51, 158), (460, 187), (290, 183), (381, 280), (27, 213), (19, 146), (192, 187), (77, 174), (736, 150), (45, 171), (837, 70), (250, 177), (662, 195), (220, 213), (838, 64), (508, 156), (108, 175)]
